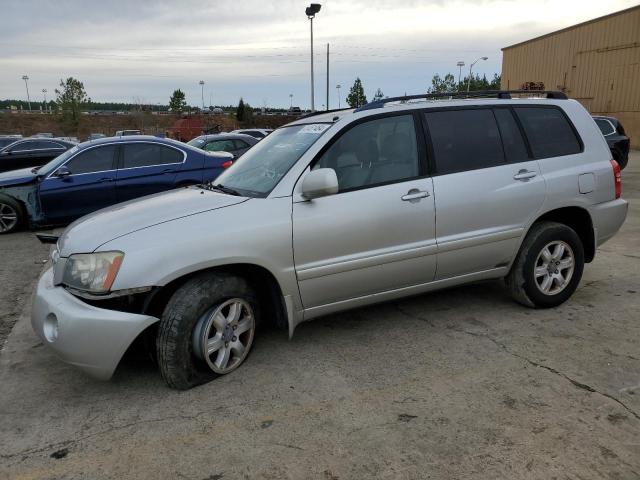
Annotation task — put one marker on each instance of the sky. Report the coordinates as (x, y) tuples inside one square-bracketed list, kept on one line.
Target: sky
[(140, 51)]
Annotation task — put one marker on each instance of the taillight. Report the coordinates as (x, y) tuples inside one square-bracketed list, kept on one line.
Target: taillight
[(617, 178), (228, 163)]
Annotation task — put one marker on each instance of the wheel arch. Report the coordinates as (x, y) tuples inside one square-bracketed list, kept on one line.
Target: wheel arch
[(578, 219)]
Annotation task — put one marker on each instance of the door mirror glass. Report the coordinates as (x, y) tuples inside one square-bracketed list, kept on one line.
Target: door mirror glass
[(62, 172), (320, 183)]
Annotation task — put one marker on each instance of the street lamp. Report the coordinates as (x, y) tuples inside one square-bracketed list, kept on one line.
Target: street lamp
[(459, 64), (26, 80), (290, 101), (201, 82), (311, 11), (470, 67), (338, 87)]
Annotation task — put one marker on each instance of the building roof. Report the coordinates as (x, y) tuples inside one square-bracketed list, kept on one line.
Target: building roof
[(593, 20)]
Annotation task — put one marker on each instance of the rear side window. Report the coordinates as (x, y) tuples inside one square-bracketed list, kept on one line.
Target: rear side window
[(149, 154), (605, 126), (548, 131), (98, 159), (514, 147), (464, 140)]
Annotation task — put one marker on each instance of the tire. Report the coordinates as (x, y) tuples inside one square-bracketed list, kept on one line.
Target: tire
[(184, 323), (12, 216), (537, 278)]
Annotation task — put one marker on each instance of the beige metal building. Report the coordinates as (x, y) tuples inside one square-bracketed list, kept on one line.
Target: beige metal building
[(596, 62)]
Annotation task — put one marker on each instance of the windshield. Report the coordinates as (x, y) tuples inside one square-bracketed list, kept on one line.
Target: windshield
[(47, 168), (259, 170), (196, 142)]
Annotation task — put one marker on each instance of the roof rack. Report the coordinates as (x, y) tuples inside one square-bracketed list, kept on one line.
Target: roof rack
[(501, 94), (320, 112)]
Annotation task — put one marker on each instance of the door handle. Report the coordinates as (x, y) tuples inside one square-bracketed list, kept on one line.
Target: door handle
[(106, 179), (414, 194), (524, 175)]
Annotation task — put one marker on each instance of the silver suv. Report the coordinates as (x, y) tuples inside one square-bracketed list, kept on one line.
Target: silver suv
[(335, 211)]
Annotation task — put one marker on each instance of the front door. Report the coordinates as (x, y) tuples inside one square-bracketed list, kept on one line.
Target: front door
[(89, 185), (487, 188), (378, 232)]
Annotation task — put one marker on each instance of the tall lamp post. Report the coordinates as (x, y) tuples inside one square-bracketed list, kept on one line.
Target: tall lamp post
[(460, 65), (338, 87), (290, 101), (201, 82), (26, 84), (311, 11), (44, 92), (470, 67)]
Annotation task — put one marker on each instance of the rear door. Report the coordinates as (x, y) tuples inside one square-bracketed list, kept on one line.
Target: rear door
[(146, 168), (89, 187), (487, 188)]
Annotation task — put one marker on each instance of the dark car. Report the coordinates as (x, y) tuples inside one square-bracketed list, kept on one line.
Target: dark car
[(7, 140), (258, 133), (234, 143), (31, 152), (94, 175), (616, 138)]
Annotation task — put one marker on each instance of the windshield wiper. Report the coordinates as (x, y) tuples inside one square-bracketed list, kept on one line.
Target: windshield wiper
[(227, 190)]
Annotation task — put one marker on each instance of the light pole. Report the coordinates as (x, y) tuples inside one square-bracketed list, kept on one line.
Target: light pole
[(311, 11), (338, 89), (26, 84), (290, 101), (459, 64), (470, 67), (44, 92), (201, 82)]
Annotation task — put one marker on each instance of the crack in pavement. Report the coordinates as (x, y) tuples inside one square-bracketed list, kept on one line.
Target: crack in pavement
[(576, 383)]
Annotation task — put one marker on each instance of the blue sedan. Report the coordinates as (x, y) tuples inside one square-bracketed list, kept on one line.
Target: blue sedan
[(96, 174)]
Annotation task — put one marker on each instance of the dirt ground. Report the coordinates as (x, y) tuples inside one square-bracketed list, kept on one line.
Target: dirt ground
[(462, 383)]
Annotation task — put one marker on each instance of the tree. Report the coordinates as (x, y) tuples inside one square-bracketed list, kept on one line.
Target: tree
[(177, 102), (356, 97), (442, 85), (378, 95), (241, 110), (70, 98)]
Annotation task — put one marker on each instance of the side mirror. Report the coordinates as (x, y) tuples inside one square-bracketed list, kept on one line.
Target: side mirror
[(62, 172), (320, 183)]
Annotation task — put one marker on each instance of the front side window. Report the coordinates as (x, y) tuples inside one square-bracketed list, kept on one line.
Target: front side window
[(548, 131), (93, 160), (464, 140), (605, 126), (25, 146), (259, 170), (137, 155), (375, 152)]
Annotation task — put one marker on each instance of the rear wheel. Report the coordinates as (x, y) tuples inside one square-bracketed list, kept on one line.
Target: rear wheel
[(207, 329), (548, 267), (11, 214)]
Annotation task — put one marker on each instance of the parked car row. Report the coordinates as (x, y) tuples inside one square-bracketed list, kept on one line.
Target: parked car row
[(524, 190), (94, 175)]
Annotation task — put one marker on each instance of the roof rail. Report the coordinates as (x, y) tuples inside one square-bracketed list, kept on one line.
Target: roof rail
[(320, 112), (501, 94)]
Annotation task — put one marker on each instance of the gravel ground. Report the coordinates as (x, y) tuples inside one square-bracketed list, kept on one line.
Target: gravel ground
[(462, 383)]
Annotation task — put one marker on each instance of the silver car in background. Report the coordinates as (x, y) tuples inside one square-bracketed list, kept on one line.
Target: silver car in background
[(335, 211)]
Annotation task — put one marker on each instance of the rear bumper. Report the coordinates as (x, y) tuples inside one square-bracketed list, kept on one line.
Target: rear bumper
[(607, 218), (93, 339)]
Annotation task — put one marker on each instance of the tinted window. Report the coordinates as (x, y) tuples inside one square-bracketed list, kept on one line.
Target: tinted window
[(548, 131), (375, 152), (28, 145), (148, 154), (464, 140), (605, 127), (220, 146), (96, 159), (6, 141), (241, 144), (48, 144), (512, 141)]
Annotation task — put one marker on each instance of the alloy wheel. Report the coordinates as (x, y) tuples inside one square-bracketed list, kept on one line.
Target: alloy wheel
[(554, 267), (8, 217)]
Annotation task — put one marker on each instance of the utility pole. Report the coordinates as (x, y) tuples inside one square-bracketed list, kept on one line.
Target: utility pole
[(44, 92), (290, 101), (26, 80), (201, 82), (338, 89), (327, 76)]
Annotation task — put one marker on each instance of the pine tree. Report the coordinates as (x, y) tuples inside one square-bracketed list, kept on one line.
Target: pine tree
[(356, 97)]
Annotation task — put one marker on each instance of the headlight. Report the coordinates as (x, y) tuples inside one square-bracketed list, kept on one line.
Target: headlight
[(92, 272)]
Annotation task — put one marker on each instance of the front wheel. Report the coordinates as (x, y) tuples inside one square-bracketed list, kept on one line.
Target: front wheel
[(548, 267), (11, 214), (207, 329)]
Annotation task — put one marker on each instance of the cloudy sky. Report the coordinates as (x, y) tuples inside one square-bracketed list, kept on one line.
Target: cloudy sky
[(140, 51)]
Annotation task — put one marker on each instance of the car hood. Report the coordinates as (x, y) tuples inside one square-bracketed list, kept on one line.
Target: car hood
[(17, 177), (90, 232)]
